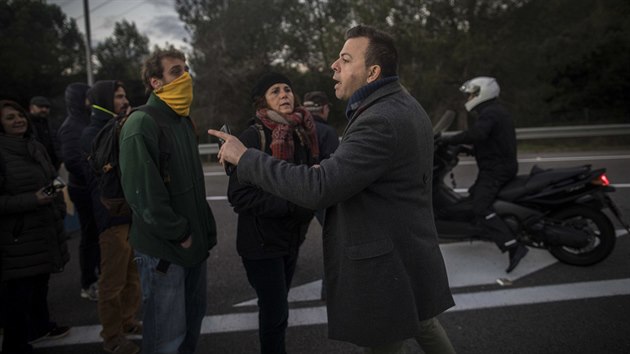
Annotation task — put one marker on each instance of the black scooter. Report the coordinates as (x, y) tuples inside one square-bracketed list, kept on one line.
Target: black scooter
[(555, 209)]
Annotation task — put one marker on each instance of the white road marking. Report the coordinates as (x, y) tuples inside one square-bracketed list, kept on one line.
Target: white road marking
[(217, 197), (467, 264), (317, 315)]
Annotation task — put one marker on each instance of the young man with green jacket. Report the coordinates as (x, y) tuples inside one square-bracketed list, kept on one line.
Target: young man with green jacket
[(173, 228)]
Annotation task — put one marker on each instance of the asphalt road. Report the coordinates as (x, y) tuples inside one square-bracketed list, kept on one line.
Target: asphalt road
[(548, 308)]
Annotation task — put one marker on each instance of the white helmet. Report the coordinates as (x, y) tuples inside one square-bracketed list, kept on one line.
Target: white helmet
[(482, 89)]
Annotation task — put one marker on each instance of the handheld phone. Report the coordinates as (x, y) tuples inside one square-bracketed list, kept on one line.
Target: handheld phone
[(54, 186), (229, 168)]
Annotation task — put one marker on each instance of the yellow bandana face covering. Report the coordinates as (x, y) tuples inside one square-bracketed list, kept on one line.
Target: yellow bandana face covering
[(178, 94)]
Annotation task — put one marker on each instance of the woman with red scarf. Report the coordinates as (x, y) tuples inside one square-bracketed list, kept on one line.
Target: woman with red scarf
[(270, 229)]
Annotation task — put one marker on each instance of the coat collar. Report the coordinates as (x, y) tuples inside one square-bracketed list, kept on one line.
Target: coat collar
[(383, 91)]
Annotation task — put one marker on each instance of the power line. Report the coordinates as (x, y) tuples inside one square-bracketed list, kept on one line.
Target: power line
[(95, 8)]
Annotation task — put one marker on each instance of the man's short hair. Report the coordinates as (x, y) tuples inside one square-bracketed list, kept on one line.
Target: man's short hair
[(315, 101), (381, 50), (153, 65), (40, 101)]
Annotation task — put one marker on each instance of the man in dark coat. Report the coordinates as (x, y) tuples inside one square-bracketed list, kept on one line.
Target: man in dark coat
[(384, 271), (317, 103), (39, 114), (69, 136)]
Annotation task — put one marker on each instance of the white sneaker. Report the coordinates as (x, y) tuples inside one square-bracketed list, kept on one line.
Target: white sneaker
[(90, 293)]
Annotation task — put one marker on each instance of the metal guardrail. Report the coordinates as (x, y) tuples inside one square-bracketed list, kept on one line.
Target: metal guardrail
[(578, 131)]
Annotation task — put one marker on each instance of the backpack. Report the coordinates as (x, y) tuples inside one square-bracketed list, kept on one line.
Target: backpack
[(103, 160)]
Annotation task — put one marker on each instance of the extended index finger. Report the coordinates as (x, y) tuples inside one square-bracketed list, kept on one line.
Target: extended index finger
[(218, 134)]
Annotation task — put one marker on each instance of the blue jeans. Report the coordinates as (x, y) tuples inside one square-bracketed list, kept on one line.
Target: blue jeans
[(174, 306)]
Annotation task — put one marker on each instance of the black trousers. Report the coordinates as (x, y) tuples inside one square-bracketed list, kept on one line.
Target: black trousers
[(26, 311), (271, 278), (89, 250), (483, 194)]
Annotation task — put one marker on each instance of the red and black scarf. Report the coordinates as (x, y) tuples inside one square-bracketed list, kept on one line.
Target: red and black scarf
[(283, 126)]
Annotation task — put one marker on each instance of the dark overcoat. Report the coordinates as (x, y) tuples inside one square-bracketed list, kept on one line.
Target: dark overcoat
[(32, 238), (383, 267)]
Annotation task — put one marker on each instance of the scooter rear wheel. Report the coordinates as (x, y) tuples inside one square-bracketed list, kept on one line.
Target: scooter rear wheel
[(594, 222)]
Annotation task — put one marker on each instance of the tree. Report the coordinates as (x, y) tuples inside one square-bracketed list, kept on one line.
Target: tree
[(565, 59), (120, 57), (234, 41), (41, 51)]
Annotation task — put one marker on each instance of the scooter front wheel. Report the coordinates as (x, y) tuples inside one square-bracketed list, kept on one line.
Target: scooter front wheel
[(592, 221)]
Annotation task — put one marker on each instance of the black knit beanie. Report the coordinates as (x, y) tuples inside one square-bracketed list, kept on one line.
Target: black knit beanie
[(266, 81)]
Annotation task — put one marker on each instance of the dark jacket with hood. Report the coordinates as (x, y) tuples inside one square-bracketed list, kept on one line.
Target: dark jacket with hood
[(268, 226), (44, 132), (69, 134), (32, 239), (101, 95)]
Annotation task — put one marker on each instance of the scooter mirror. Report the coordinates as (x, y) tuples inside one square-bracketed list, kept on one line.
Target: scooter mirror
[(444, 123)]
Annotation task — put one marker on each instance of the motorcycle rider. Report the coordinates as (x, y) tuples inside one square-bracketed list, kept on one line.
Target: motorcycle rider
[(494, 140)]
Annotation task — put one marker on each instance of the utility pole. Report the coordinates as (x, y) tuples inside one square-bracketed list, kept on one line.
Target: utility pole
[(88, 43)]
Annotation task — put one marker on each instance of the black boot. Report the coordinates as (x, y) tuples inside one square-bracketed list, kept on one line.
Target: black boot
[(516, 254)]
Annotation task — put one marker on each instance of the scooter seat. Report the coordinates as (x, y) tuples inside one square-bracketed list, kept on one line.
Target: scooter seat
[(514, 188), (537, 180)]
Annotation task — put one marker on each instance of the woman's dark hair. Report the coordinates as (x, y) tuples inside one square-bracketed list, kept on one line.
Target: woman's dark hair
[(17, 107), (381, 50), (153, 65)]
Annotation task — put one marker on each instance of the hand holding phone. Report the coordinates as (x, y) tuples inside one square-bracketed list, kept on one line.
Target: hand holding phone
[(229, 168), (56, 185)]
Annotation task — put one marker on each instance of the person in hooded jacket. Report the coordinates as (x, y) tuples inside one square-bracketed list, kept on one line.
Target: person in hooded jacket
[(69, 136), (119, 283), (32, 239), (271, 229)]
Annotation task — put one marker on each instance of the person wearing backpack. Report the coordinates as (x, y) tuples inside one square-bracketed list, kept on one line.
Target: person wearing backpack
[(172, 227), (69, 136), (270, 229), (118, 285)]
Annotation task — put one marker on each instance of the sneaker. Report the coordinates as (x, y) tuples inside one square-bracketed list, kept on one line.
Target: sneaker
[(90, 293), (131, 329), (120, 345), (55, 333)]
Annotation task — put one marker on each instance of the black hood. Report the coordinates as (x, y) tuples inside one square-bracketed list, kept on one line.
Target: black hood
[(75, 100), (102, 94)]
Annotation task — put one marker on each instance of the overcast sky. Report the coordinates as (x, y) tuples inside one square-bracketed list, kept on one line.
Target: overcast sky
[(157, 19)]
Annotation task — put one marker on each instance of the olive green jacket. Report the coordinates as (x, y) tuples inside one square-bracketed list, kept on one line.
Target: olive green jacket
[(165, 210)]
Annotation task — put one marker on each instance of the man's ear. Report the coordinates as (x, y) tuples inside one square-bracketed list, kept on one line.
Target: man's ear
[(374, 72), (156, 83)]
